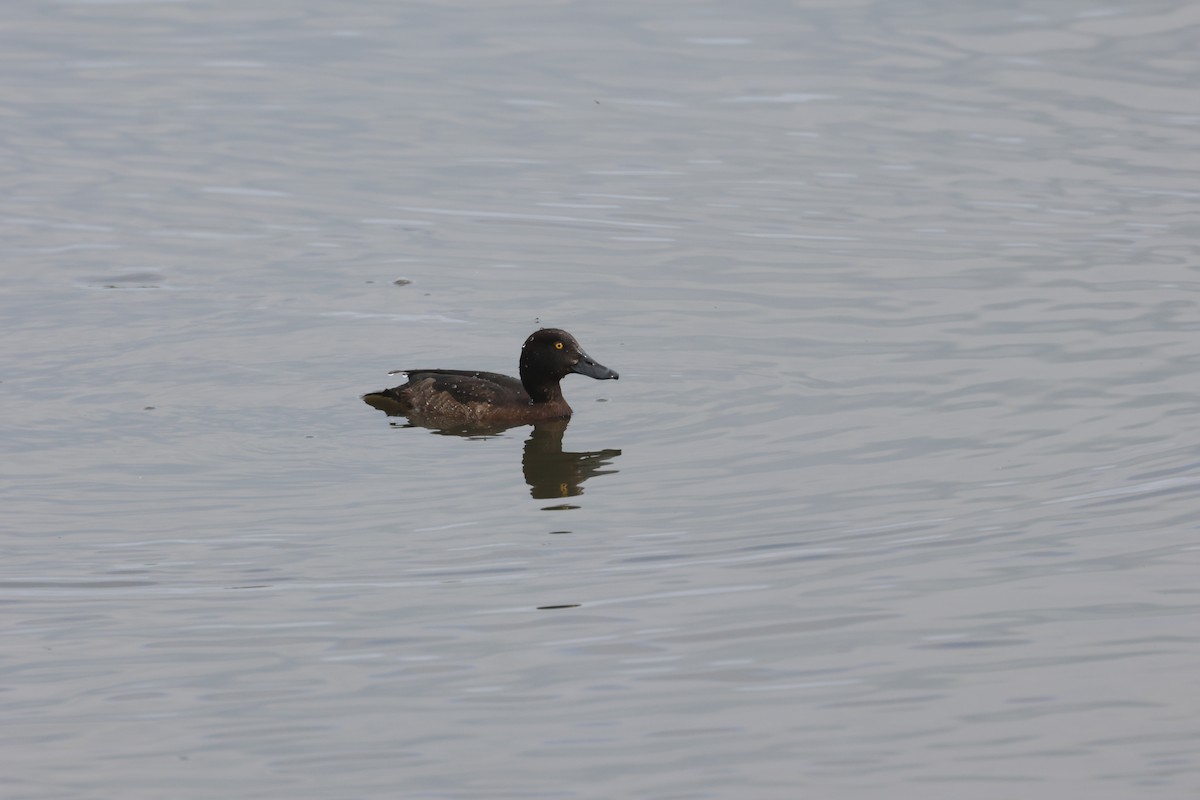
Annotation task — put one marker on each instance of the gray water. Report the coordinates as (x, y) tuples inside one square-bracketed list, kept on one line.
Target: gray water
[(898, 494)]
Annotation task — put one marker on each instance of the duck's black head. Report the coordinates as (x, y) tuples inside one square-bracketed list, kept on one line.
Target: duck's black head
[(548, 356)]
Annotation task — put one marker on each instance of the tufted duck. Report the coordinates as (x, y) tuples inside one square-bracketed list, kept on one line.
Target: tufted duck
[(438, 396)]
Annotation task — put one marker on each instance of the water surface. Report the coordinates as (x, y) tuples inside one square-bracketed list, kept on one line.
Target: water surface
[(897, 494)]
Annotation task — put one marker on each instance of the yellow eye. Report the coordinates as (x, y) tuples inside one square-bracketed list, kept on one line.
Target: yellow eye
[(558, 345)]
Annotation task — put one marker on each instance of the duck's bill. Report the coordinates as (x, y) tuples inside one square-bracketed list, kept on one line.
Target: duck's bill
[(586, 365)]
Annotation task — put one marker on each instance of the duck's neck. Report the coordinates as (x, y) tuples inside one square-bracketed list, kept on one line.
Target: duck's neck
[(540, 391), (539, 387)]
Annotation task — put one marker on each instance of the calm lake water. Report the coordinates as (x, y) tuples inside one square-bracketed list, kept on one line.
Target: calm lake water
[(898, 494)]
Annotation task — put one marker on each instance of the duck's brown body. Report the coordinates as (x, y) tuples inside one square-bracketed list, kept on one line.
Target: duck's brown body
[(441, 396)]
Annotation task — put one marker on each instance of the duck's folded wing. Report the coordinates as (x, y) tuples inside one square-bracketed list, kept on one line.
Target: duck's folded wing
[(469, 386)]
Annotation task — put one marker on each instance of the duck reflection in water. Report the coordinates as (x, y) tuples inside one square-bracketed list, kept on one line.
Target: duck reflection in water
[(477, 404)]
